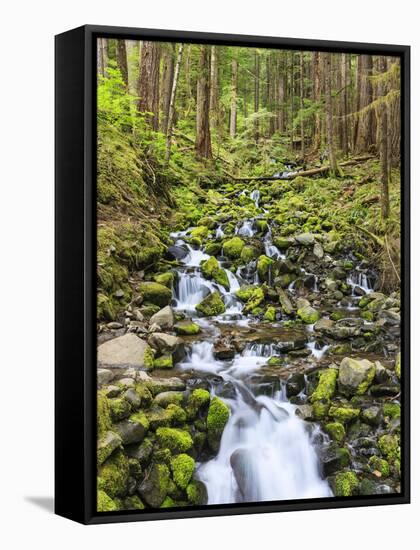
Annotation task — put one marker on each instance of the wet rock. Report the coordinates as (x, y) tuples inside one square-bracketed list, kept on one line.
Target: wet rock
[(125, 351), (155, 293), (154, 488), (130, 432), (241, 462), (385, 390), (305, 412), (323, 325), (334, 458), (295, 384), (308, 314), (142, 453), (133, 398), (355, 376), (285, 302), (372, 415), (187, 328), (224, 349), (163, 318), (175, 252), (390, 317), (211, 305), (159, 385), (169, 397)]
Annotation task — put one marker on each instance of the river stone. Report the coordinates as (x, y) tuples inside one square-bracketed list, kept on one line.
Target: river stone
[(154, 488), (159, 385), (295, 384), (104, 376), (372, 415), (141, 452), (163, 318), (355, 375), (155, 293), (241, 462), (305, 239), (223, 349), (130, 432), (175, 252), (122, 352), (169, 397), (165, 344), (285, 303), (133, 398), (107, 445), (323, 325), (305, 412), (334, 458)]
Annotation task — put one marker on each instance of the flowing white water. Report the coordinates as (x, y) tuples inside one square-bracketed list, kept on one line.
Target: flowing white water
[(255, 196), (317, 352), (246, 229), (361, 280), (266, 451)]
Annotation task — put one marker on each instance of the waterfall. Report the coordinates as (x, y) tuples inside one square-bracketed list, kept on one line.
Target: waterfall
[(255, 196), (246, 229), (361, 280)]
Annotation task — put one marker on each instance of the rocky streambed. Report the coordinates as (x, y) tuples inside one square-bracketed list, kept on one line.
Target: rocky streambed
[(257, 366)]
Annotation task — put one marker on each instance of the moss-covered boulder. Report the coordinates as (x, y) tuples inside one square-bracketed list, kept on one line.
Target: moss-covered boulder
[(324, 392), (270, 314), (211, 270), (165, 279), (389, 445), (283, 242), (336, 431), (343, 414), (182, 467), (355, 376), (262, 226), (378, 465), (211, 305), (133, 503), (174, 439), (346, 484), (308, 314), (104, 503), (163, 362), (233, 248), (254, 302), (213, 248), (155, 293), (113, 475), (197, 493), (120, 409), (249, 253), (107, 444), (217, 418), (198, 401), (264, 267), (155, 486), (245, 292), (187, 328), (103, 414), (201, 232)]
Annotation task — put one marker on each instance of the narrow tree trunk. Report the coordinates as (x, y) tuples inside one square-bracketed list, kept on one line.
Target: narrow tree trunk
[(256, 93), (148, 91), (383, 142), (317, 99), (281, 95), (122, 60), (302, 124), (167, 84), (344, 105), (214, 88), (233, 99), (329, 114), (171, 112), (102, 56), (203, 138)]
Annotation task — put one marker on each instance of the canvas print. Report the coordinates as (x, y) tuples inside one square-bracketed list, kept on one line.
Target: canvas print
[(248, 275)]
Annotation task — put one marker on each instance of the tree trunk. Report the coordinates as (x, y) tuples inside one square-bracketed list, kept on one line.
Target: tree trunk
[(256, 93), (102, 56), (214, 88), (302, 91), (281, 94), (383, 141), (171, 111), (329, 115), (167, 84), (344, 109), (133, 56), (233, 98), (203, 138), (122, 61), (148, 89), (365, 127), (317, 99)]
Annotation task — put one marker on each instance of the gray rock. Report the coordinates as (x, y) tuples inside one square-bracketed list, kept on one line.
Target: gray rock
[(318, 251), (323, 325), (165, 344), (122, 352), (130, 432), (159, 385), (112, 391), (107, 445), (153, 489), (295, 384), (126, 382), (114, 325), (304, 412), (163, 318), (372, 415), (169, 397), (355, 375), (104, 376), (133, 398), (305, 239)]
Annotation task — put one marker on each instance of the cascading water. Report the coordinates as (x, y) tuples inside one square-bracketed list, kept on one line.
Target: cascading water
[(360, 280), (266, 451), (255, 196)]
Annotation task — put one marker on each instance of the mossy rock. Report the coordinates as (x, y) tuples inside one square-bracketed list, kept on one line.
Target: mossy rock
[(262, 226), (392, 410), (380, 465), (211, 270), (104, 503), (283, 242), (119, 408), (308, 314), (163, 362), (355, 375), (187, 328), (165, 279), (389, 445), (213, 248), (155, 293), (113, 475), (217, 418), (197, 493), (263, 267), (178, 441), (182, 467), (198, 401), (178, 414), (155, 486), (103, 414), (249, 253), (133, 503), (343, 414), (255, 300), (398, 365), (211, 305), (326, 385), (336, 431), (245, 292), (346, 484), (233, 248), (201, 232), (270, 314), (106, 445)]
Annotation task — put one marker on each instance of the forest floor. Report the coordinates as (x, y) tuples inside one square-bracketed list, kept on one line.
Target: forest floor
[(226, 307)]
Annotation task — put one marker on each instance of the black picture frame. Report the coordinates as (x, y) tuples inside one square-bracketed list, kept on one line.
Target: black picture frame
[(75, 272)]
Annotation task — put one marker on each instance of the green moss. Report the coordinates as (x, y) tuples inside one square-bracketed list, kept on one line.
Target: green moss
[(178, 415), (398, 365), (178, 441), (155, 293), (337, 315), (163, 362), (196, 493), (120, 408), (263, 267), (275, 361), (211, 270), (198, 400), (233, 248), (392, 410), (201, 232), (389, 445), (248, 254), (217, 418), (103, 414), (105, 308), (104, 503), (270, 314), (145, 394), (165, 279), (336, 431), (326, 385), (168, 503), (380, 465), (213, 248), (245, 292), (262, 226), (106, 445), (187, 328), (113, 475), (308, 314), (211, 305), (182, 467), (367, 315), (282, 242), (141, 418), (133, 503), (346, 484), (320, 408), (343, 414), (255, 300)]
